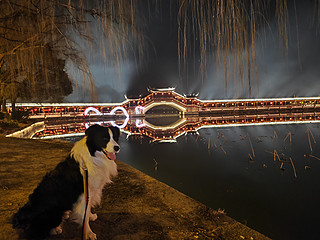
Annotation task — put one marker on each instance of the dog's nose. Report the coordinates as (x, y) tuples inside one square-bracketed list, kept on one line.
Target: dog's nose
[(116, 148)]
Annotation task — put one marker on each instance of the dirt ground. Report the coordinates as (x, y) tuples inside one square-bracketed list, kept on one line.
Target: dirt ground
[(135, 206)]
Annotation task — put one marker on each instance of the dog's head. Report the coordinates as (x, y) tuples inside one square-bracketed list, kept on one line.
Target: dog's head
[(103, 139)]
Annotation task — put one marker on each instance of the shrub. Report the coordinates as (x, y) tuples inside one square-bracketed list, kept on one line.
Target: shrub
[(9, 124), (20, 115)]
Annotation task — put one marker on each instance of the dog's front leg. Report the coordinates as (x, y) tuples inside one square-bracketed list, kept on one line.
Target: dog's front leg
[(89, 235), (58, 230), (93, 216)]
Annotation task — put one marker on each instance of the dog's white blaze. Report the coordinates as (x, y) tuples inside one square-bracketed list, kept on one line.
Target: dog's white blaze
[(112, 143), (100, 172)]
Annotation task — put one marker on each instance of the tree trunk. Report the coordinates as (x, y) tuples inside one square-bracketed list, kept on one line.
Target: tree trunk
[(13, 104), (3, 105)]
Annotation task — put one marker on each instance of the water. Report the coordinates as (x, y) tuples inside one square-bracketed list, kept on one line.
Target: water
[(214, 168)]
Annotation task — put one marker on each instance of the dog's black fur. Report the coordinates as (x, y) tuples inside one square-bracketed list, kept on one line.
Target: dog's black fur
[(55, 195)]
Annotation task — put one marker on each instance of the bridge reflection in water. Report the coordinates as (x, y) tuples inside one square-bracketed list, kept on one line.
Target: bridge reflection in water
[(167, 128)]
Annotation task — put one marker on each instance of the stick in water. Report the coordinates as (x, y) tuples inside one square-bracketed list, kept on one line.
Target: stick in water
[(309, 142), (251, 146), (314, 157), (314, 140), (275, 135), (294, 169), (288, 135)]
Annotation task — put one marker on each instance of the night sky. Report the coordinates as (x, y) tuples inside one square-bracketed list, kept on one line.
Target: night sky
[(280, 75)]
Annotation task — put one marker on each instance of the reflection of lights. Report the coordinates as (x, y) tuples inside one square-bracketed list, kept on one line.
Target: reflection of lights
[(139, 109), (168, 127), (61, 135), (185, 106), (165, 141), (140, 123), (121, 109), (111, 113), (91, 109), (113, 123), (87, 124)]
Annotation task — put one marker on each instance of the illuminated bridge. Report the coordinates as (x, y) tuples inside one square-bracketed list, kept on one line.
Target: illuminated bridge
[(179, 114), (167, 99)]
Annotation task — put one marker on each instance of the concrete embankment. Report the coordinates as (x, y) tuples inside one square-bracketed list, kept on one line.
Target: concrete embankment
[(135, 206), (29, 131)]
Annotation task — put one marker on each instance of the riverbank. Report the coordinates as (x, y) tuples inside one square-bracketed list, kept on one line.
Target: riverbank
[(136, 206)]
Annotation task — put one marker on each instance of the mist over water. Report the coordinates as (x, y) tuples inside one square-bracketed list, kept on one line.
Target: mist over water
[(110, 81), (280, 73)]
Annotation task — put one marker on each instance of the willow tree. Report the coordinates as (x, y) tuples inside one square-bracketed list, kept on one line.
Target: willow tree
[(37, 34)]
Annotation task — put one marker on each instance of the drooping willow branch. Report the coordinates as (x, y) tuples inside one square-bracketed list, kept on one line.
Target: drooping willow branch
[(227, 29)]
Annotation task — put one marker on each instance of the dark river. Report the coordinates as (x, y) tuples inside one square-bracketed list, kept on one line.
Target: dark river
[(280, 199)]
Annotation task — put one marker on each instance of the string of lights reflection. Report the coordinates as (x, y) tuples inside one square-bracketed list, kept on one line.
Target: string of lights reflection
[(113, 112)]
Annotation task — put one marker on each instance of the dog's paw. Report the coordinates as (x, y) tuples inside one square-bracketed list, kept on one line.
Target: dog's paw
[(56, 231), (66, 215), (91, 236), (93, 217)]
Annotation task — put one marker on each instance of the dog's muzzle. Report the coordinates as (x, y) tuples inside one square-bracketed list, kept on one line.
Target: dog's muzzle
[(111, 155)]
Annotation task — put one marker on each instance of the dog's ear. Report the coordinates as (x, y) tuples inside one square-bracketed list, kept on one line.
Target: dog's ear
[(115, 133), (92, 129)]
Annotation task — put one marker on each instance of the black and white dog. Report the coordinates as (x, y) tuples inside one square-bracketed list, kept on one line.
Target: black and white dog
[(60, 195)]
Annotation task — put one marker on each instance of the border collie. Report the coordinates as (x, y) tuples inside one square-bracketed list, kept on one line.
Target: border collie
[(60, 194)]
